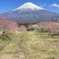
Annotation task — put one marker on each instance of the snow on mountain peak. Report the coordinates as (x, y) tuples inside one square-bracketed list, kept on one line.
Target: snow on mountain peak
[(30, 6)]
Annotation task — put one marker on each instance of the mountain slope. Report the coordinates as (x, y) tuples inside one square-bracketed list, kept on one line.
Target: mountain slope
[(30, 13)]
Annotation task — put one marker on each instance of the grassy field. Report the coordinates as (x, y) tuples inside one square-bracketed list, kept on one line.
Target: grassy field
[(29, 45)]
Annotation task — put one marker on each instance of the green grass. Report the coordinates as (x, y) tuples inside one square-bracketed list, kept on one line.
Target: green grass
[(31, 45)]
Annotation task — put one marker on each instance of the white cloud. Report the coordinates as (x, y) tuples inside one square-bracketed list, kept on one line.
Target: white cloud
[(41, 6), (55, 5), (50, 5), (44, 4)]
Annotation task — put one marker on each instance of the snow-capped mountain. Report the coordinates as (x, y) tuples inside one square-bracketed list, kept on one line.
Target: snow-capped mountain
[(30, 13), (28, 6)]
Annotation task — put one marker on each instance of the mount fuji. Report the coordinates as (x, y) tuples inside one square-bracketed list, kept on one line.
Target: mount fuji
[(30, 13)]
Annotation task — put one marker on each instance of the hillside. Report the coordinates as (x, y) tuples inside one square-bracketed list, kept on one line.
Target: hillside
[(29, 45), (30, 31)]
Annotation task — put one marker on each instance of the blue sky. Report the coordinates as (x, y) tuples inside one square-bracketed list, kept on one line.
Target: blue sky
[(50, 5)]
